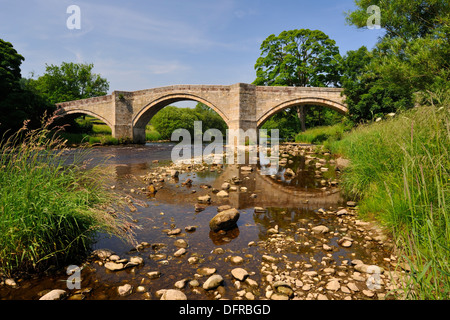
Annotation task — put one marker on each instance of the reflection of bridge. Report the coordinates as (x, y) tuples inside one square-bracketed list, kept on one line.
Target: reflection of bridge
[(271, 193), (242, 106)]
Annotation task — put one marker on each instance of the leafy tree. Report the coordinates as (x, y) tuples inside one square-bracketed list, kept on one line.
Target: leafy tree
[(171, 118), (408, 65), (405, 19), (210, 119), (70, 81), (18, 102), (298, 58)]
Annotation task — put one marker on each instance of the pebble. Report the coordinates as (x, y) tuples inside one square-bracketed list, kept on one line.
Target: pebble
[(124, 290), (56, 294), (213, 282), (239, 273)]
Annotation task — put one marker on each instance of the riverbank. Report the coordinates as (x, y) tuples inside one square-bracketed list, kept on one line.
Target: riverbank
[(400, 173), (49, 211)]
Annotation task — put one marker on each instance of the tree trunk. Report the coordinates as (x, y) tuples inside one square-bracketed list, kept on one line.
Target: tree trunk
[(301, 116)]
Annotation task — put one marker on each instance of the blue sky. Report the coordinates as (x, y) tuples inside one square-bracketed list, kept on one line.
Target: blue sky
[(145, 44)]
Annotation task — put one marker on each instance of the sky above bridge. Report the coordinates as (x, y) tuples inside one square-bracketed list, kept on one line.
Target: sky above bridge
[(145, 44)]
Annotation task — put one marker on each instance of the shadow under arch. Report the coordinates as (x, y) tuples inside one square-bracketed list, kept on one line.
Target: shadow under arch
[(79, 112), (336, 106)]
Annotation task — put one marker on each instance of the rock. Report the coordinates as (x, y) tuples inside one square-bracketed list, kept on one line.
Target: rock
[(320, 229), (333, 285), (352, 286), (346, 244), (102, 254), (322, 297), (269, 259), (173, 294), (249, 296), (236, 260), (199, 207), (224, 220), (193, 260), (223, 208), (342, 212), (222, 194), (327, 247), (368, 293), (154, 274), (251, 282), (259, 209), (283, 288), (56, 294), (174, 232), (246, 168), (11, 283), (225, 186), (239, 273), (180, 252), (213, 282), (135, 261), (205, 271), (351, 204), (279, 296), (180, 243), (190, 228), (289, 172), (124, 290), (180, 284), (204, 199), (113, 266), (173, 173)]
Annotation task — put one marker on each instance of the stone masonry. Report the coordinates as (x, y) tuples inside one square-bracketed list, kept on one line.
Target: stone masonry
[(242, 106)]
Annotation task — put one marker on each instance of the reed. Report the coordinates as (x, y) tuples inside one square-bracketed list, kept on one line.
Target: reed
[(50, 212)]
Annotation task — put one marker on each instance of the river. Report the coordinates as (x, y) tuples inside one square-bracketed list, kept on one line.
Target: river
[(305, 260)]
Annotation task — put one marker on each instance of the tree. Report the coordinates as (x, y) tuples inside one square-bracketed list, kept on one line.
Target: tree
[(404, 19), (171, 118), (18, 102), (409, 65), (298, 58), (70, 81)]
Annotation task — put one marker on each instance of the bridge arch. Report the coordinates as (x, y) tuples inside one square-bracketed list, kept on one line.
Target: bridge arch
[(143, 117), (337, 106), (85, 112)]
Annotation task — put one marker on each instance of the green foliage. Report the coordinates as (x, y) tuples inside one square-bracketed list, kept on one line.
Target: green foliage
[(18, 102), (298, 58), (403, 18), (49, 211), (70, 81), (171, 118), (408, 66), (306, 58), (400, 170), (318, 135)]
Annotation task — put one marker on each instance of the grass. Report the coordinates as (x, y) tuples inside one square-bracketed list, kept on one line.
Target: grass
[(400, 172), (49, 212), (151, 134), (320, 134)]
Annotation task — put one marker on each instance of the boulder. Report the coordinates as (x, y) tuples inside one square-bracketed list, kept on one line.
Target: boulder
[(213, 282), (224, 220), (56, 294), (173, 294)]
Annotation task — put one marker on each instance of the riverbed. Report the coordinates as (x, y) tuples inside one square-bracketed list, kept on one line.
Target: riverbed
[(296, 237)]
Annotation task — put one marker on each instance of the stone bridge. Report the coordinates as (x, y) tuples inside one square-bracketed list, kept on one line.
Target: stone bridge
[(242, 106)]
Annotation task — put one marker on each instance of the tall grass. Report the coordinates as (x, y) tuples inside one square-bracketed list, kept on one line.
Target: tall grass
[(320, 134), (49, 212), (400, 171)]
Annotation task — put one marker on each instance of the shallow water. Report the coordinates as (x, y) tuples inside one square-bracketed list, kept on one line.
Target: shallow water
[(290, 205)]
